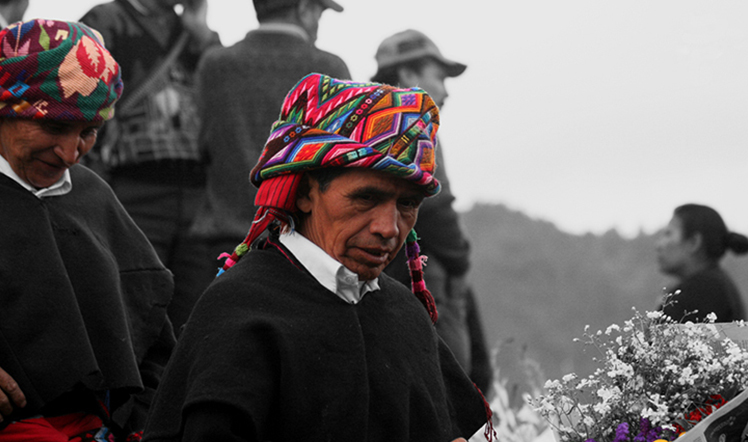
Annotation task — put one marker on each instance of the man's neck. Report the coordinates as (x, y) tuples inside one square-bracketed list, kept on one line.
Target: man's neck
[(10, 14), (284, 27)]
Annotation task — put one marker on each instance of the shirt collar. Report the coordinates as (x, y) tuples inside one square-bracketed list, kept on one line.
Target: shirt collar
[(333, 275), (285, 28), (61, 187)]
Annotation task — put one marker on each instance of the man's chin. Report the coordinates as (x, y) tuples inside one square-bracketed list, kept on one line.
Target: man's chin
[(43, 182), (366, 273)]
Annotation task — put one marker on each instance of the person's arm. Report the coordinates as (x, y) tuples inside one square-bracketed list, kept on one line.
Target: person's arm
[(11, 396), (105, 24), (195, 21), (439, 227)]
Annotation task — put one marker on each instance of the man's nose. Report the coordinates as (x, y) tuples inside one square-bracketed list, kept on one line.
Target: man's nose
[(385, 220), (68, 148)]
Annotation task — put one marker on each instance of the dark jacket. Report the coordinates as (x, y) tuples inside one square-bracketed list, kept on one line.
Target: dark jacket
[(84, 301), (711, 290)]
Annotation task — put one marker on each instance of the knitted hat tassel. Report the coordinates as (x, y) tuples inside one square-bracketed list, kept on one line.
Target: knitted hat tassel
[(415, 265)]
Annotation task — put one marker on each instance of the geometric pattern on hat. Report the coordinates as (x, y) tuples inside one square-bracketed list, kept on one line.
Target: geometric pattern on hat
[(325, 122), (57, 70)]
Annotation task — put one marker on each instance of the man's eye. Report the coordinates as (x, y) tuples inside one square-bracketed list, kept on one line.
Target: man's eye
[(54, 128), (365, 197), (91, 131), (410, 203)]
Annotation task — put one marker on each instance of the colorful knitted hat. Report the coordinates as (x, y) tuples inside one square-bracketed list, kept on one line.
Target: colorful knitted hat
[(56, 70), (326, 122)]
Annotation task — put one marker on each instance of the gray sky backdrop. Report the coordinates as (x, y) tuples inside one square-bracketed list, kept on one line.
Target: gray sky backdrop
[(590, 114)]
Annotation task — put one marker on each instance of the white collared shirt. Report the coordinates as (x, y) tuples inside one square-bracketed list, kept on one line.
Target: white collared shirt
[(333, 275), (61, 187)]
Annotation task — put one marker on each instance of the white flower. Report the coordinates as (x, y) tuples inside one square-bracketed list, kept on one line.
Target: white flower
[(649, 367), (602, 408), (612, 328), (655, 315), (620, 368)]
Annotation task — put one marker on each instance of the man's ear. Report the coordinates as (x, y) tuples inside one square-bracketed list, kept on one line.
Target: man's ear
[(304, 194), (303, 6), (695, 242), (408, 77)]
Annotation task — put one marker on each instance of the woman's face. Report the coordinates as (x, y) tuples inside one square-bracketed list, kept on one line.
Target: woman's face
[(673, 250)]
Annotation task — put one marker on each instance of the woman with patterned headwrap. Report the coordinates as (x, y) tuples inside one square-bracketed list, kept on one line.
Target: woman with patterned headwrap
[(83, 328), (301, 336)]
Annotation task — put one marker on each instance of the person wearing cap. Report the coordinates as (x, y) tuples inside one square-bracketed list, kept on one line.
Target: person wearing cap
[(240, 90), (302, 337), (407, 59), (84, 334), (149, 154)]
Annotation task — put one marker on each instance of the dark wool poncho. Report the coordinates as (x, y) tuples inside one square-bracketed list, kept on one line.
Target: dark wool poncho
[(83, 300), (270, 354)]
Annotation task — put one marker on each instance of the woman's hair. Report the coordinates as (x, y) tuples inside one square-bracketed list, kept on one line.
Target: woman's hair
[(716, 238)]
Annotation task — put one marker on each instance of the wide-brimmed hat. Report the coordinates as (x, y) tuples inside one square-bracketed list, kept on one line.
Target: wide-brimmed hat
[(56, 70), (411, 45)]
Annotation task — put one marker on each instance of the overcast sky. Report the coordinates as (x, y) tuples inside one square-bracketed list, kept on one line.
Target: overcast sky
[(589, 114)]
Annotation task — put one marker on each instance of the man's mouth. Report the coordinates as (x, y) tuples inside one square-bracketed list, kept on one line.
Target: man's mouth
[(376, 255), (53, 164)]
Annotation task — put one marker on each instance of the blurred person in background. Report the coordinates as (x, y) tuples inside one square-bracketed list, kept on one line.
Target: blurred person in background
[(12, 11), (84, 335), (411, 59), (150, 154), (240, 90), (690, 249)]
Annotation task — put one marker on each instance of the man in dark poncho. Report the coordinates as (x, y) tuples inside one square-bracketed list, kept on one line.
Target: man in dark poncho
[(302, 337), (83, 330)]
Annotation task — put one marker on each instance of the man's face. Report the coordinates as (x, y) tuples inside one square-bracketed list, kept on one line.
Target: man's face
[(40, 151), (673, 250), (431, 78), (361, 219), (309, 15)]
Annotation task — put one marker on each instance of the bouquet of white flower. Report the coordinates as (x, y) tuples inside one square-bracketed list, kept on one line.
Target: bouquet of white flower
[(656, 379)]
